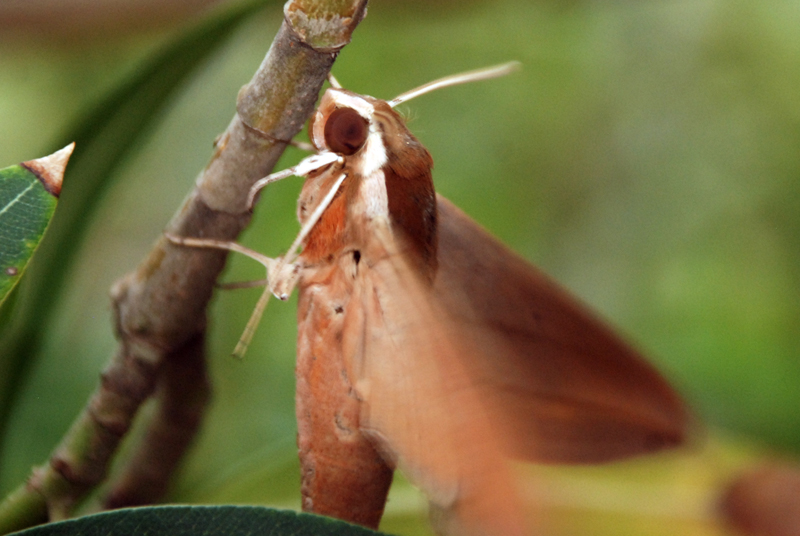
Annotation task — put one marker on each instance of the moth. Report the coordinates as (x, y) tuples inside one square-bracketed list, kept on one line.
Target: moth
[(426, 345)]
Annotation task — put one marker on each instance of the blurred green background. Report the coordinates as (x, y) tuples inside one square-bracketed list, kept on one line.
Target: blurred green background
[(646, 156)]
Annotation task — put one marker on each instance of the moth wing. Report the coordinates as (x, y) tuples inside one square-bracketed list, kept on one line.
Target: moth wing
[(563, 387), (419, 404)]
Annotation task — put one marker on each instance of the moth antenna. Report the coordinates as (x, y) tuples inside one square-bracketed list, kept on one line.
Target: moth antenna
[(303, 146), (455, 79), (306, 166), (333, 82)]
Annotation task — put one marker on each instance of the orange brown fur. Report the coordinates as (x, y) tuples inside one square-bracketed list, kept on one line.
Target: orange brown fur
[(327, 236)]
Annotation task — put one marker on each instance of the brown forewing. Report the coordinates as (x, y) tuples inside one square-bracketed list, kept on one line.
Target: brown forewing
[(343, 475), (419, 402), (490, 360), (561, 385), (764, 501)]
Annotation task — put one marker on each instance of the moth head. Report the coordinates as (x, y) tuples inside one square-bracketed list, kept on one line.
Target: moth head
[(341, 122), (347, 124)]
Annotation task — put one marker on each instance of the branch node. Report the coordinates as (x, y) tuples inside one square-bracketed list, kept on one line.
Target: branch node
[(264, 135), (324, 26)]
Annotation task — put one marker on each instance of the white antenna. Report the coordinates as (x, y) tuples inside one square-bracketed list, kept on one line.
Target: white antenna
[(456, 79), (333, 82)]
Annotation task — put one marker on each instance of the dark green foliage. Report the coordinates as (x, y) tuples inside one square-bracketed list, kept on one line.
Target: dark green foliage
[(200, 521)]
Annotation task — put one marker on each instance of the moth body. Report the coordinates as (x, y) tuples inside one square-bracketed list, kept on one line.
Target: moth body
[(426, 345)]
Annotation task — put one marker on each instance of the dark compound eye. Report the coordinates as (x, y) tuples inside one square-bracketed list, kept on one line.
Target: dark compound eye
[(345, 131)]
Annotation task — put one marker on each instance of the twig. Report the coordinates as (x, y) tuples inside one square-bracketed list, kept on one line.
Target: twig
[(160, 308), (181, 398)]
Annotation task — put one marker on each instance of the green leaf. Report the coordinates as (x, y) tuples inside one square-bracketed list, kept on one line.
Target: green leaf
[(105, 137), (200, 521), (28, 197)]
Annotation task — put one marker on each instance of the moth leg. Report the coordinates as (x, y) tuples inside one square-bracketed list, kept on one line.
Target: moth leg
[(283, 278), (282, 273), (243, 284), (210, 243), (269, 263), (285, 274), (303, 168)]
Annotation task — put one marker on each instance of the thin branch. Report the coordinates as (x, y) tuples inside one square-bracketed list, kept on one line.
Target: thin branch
[(160, 308), (181, 398)]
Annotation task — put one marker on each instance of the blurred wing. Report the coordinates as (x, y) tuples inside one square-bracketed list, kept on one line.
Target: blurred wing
[(419, 404), (562, 386), (763, 501)]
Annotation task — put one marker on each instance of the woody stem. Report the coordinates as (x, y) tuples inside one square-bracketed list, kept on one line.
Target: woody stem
[(160, 307)]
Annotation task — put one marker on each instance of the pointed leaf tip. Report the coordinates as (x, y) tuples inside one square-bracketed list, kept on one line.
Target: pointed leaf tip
[(50, 169), (28, 196)]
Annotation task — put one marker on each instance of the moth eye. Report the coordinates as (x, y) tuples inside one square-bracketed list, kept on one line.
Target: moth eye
[(345, 131)]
